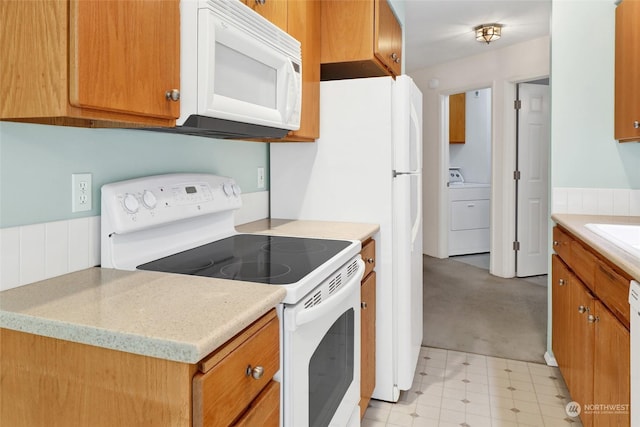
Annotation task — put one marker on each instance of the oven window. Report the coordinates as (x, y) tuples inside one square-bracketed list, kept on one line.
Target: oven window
[(331, 370)]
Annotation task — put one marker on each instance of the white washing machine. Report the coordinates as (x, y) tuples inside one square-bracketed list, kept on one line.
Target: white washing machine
[(469, 215)]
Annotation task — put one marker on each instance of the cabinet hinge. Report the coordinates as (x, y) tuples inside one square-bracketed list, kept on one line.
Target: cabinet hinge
[(517, 104), (516, 175), (516, 246)]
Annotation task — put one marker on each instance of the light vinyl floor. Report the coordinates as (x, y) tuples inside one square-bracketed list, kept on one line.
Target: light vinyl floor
[(455, 389)]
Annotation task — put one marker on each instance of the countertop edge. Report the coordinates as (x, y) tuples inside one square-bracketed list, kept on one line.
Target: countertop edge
[(311, 228), (575, 223)]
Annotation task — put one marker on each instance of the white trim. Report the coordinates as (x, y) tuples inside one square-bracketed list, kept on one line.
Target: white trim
[(550, 360)]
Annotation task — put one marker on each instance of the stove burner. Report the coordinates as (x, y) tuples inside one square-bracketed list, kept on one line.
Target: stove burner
[(250, 271), (295, 247), (191, 269)]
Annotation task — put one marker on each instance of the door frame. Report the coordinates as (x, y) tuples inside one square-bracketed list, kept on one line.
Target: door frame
[(503, 163)]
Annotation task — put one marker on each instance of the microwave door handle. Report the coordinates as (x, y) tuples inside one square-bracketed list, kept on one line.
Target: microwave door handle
[(292, 92), (321, 310)]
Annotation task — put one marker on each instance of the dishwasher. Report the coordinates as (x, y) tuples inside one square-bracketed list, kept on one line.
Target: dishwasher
[(634, 301)]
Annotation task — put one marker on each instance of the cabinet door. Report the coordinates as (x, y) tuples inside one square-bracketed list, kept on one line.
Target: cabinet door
[(368, 341), (457, 116), (274, 10), (560, 312), (581, 340), (612, 369), (388, 37), (627, 74), (125, 56)]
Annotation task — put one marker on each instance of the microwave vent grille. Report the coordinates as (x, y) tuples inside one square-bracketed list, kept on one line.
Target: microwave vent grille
[(240, 15)]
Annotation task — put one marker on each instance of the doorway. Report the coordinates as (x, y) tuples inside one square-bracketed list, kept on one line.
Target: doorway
[(469, 163)]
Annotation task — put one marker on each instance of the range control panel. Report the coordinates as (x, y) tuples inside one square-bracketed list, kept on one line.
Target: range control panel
[(152, 201)]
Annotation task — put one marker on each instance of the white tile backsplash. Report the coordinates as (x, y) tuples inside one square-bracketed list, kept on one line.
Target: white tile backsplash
[(596, 201), (40, 251)]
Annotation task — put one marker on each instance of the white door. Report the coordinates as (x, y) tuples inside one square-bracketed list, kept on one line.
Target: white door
[(532, 187)]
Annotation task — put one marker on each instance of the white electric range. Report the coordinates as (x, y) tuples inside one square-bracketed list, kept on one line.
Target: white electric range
[(184, 224)]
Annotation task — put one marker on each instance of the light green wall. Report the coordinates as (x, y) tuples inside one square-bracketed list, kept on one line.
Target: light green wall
[(584, 153), (36, 163)]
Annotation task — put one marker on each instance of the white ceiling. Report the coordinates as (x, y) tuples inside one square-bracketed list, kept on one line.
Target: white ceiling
[(438, 31)]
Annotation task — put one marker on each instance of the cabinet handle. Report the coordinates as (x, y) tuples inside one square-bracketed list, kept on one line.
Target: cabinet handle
[(593, 319), (256, 372), (583, 309), (363, 305), (556, 243), (397, 60), (172, 95), (371, 260), (562, 282), (261, 1), (636, 125), (394, 56)]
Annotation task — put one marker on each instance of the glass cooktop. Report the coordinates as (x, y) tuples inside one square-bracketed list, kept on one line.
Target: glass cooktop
[(273, 260)]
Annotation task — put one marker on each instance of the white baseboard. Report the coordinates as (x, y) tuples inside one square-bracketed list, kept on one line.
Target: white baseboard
[(551, 361)]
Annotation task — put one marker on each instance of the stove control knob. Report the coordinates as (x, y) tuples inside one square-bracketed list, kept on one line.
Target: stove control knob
[(149, 199), (227, 187), (236, 190), (130, 203)]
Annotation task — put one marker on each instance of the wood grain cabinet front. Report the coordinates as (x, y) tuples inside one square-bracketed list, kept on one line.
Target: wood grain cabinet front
[(590, 330), (457, 118), (627, 72), (360, 39), (368, 325), (88, 63), (233, 377), (52, 382)]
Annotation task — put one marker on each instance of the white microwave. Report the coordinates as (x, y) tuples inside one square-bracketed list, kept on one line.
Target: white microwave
[(241, 76)]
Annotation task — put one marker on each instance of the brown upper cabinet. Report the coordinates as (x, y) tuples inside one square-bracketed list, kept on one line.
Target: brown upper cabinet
[(627, 74), (359, 39), (301, 19), (90, 63), (457, 124)]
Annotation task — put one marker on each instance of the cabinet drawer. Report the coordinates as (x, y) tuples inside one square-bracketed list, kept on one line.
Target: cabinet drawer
[(225, 391), (470, 214), (583, 264), (264, 410), (562, 244), (613, 290), (368, 254)]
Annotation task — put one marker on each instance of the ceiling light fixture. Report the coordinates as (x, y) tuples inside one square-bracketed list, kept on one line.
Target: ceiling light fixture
[(488, 32)]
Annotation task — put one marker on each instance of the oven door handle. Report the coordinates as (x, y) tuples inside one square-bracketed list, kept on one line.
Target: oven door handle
[(321, 310)]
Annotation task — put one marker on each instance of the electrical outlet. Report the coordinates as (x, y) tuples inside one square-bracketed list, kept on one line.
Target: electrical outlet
[(261, 178), (81, 199)]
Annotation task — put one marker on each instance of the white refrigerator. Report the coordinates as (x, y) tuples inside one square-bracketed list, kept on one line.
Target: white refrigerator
[(366, 167)]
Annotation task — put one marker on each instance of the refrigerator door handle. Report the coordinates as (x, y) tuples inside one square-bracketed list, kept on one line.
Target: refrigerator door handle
[(416, 225), (396, 173)]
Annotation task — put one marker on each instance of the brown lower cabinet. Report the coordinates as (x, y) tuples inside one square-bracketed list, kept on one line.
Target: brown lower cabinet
[(368, 326), (590, 335), (47, 381)]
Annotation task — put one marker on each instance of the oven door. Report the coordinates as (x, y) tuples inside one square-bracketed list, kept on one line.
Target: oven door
[(321, 359)]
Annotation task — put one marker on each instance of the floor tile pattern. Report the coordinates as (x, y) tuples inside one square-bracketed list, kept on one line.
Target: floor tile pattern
[(455, 389)]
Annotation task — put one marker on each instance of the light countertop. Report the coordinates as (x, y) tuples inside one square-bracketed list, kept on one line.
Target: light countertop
[(318, 229), (576, 225), (168, 316)]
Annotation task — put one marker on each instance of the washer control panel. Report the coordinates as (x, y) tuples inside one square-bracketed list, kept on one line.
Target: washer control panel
[(156, 200)]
